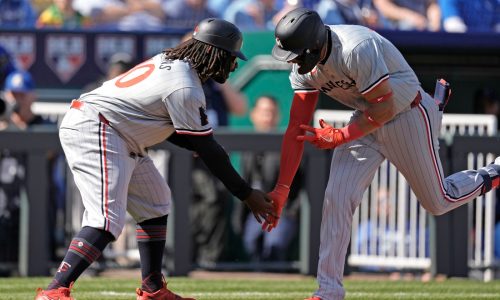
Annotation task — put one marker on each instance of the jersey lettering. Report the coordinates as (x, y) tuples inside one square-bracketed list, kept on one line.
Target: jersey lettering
[(166, 65), (330, 85)]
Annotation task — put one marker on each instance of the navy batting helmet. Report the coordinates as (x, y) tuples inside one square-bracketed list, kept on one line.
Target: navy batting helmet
[(221, 34), (301, 32)]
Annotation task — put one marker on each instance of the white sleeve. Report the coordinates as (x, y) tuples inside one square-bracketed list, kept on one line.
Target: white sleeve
[(298, 82), (187, 109)]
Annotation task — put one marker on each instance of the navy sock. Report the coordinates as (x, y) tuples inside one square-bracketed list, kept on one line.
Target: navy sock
[(84, 249), (151, 236)]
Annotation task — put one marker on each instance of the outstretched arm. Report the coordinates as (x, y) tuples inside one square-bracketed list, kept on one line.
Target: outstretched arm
[(301, 112), (217, 161)]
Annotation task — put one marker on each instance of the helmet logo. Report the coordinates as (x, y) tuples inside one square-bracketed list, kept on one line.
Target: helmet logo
[(278, 42)]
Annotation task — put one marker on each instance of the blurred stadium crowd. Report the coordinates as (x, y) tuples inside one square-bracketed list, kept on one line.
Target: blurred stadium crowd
[(249, 15)]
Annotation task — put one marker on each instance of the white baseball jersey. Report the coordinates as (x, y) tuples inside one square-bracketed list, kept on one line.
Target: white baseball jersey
[(358, 60), (146, 104), (105, 139)]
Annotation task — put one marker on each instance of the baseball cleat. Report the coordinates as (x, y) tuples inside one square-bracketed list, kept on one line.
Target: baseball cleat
[(313, 298), (161, 294), (61, 293)]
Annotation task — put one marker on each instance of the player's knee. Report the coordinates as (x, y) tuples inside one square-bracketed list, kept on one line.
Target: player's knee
[(435, 210)]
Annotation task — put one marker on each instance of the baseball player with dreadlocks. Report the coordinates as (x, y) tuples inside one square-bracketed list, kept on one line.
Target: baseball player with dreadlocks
[(394, 119), (105, 136)]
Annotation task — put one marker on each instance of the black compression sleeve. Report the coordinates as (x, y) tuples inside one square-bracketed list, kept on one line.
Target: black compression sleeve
[(217, 161), (180, 140)]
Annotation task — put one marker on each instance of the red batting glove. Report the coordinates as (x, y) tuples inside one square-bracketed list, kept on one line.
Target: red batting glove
[(279, 196), (326, 137)]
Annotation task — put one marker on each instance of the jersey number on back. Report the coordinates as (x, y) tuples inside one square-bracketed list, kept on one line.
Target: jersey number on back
[(135, 75)]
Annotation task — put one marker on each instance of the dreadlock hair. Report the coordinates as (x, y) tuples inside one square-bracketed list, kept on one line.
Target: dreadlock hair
[(209, 61)]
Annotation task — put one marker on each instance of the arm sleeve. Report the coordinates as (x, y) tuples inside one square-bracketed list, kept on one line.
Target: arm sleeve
[(301, 112), (217, 161), (180, 140)]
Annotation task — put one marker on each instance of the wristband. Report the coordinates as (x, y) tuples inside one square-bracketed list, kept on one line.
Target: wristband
[(282, 190), (351, 132), (381, 98), (371, 120)]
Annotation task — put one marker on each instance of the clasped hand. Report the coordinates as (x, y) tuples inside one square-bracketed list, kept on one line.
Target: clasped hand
[(279, 197), (325, 137)]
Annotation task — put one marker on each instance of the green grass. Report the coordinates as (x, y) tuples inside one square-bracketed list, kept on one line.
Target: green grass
[(114, 289)]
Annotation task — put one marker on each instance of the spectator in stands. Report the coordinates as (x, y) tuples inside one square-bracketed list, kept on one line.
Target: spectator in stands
[(186, 13), (119, 63), (126, 15), (261, 171), (60, 14), (356, 12), (17, 14), (19, 91), (20, 87), (211, 200), (411, 14), (6, 65), (252, 15), (219, 6), (284, 6), (487, 101), (377, 236), (466, 15)]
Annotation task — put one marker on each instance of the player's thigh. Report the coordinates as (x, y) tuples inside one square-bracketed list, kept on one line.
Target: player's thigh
[(352, 169), (148, 193), (412, 145), (101, 167)]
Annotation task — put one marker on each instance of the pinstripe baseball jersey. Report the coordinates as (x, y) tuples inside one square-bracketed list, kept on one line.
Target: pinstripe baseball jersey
[(148, 103), (359, 59)]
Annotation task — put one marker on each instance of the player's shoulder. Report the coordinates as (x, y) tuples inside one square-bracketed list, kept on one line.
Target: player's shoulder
[(350, 36), (355, 30), (176, 65), (177, 72)]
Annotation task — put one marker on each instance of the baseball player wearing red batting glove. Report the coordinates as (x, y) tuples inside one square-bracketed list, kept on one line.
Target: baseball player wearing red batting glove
[(301, 112), (279, 196), (378, 113), (328, 137)]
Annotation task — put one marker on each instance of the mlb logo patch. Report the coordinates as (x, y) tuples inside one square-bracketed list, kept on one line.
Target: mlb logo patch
[(106, 45), (65, 54), (21, 46)]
